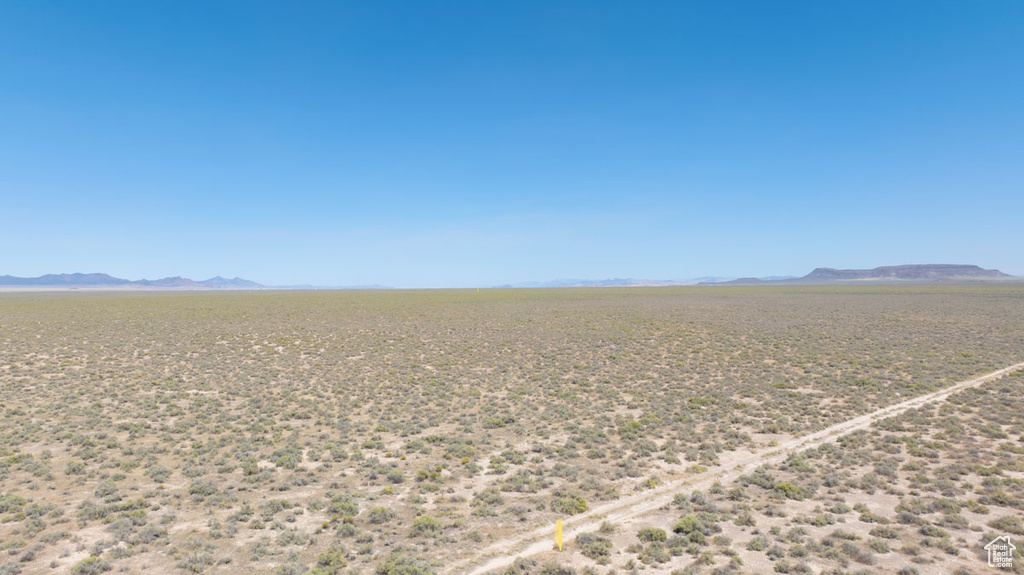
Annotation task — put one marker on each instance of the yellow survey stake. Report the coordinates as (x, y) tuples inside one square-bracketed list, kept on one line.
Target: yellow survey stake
[(558, 534)]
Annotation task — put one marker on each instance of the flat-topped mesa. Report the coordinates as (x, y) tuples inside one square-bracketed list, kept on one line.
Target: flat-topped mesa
[(916, 272)]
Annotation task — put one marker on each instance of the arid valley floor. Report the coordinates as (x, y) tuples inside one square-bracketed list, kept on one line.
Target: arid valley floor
[(407, 432)]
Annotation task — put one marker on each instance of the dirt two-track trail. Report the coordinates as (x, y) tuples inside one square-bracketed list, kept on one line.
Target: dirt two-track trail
[(503, 552)]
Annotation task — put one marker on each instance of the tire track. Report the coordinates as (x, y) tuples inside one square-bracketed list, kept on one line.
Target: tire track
[(501, 553)]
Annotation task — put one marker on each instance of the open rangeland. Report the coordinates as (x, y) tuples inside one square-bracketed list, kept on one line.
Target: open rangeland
[(418, 431)]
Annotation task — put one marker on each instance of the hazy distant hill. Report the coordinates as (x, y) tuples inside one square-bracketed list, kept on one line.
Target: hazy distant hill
[(329, 287), (233, 283), (634, 282), (614, 282), (79, 280), (914, 273), (64, 280)]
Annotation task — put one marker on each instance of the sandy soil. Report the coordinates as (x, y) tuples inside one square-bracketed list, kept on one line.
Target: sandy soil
[(501, 553)]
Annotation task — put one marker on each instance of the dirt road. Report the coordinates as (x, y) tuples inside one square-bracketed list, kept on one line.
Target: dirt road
[(734, 464)]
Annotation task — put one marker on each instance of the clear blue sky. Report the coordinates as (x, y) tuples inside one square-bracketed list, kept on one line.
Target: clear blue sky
[(435, 144)]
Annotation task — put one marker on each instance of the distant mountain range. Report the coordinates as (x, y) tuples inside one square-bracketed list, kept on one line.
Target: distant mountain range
[(918, 273), (913, 273), (104, 281), (107, 281)]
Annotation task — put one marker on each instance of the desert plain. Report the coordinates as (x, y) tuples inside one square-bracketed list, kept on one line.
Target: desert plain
[(446, 431)]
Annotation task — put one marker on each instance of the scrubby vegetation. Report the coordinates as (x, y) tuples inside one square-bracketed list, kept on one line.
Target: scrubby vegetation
[(394, 432), (925, 489)]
